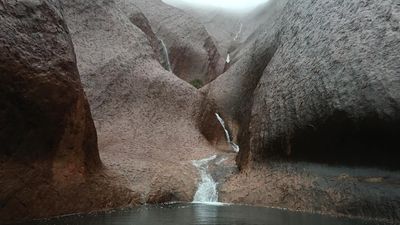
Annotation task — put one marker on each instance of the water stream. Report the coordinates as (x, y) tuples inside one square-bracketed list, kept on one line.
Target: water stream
[(207, 187), (234, 146), (238, 33), (228, 58), (166, 55)]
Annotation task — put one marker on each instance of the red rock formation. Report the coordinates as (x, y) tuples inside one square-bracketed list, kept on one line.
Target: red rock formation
[(49, 161), (321, 89), (331, 96), (151, 124), (192, 51), (139, 20), (46, 115), (146, 117)]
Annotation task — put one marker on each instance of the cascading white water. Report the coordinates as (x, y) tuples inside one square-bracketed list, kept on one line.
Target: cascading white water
[(165, 51), (228, 58), (207, 188), (234, 146)]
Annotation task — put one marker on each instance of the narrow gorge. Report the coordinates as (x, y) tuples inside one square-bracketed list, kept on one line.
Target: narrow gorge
[(281, 112)]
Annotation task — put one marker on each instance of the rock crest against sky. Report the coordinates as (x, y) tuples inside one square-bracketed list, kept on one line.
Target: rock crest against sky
[(229, 5)]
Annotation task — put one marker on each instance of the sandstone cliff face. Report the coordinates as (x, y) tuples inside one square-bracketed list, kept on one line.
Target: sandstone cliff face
[(49, 161), (331, 91), (46, 115), (140, 21), (45, 118), (318, 82), (192, 51), (223, 26), (233, 91), (234, 30), (145, 116)]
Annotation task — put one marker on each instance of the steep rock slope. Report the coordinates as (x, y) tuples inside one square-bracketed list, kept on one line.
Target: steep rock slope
[(49, 161), (332, 90), (223, 26), (145, 116), (192, 52), (232, 29), (342, 91), (328, 92), (136, 16), (232, 92)]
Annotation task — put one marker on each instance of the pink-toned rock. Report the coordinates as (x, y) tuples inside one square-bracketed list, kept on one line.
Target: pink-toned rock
[(49, 160), (192, 52), (146, 117)]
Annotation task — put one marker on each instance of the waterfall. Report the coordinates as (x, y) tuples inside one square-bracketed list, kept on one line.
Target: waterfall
[(166, 55), (238, 33), (234, 146), (228, 58), (207, 188)]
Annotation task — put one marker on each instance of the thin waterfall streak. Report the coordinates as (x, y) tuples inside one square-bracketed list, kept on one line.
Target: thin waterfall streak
[(165, 50), (221, 121), (234, 146), (238, 33)]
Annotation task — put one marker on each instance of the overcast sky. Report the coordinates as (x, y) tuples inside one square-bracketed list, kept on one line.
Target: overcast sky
[(233, 5)]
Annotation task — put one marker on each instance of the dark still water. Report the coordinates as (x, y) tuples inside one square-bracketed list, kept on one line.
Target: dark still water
[(186, 214)]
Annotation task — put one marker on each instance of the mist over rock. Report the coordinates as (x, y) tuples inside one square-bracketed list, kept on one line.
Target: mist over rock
[(192, 51), (223, 26), (231, 29)]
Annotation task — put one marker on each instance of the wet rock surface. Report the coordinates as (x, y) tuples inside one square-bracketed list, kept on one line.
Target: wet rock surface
[(331, 90), (49, 161), (308, 87), (192, 52), (317, 81), (146, 117), (232, 30), (357, 192), (136, 16), (36, 71)]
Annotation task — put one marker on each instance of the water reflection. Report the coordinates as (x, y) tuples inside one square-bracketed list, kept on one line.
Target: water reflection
[(199, 214), (204, 214)]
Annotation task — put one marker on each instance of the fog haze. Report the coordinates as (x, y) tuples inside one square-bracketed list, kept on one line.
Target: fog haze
[(228, 5)]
